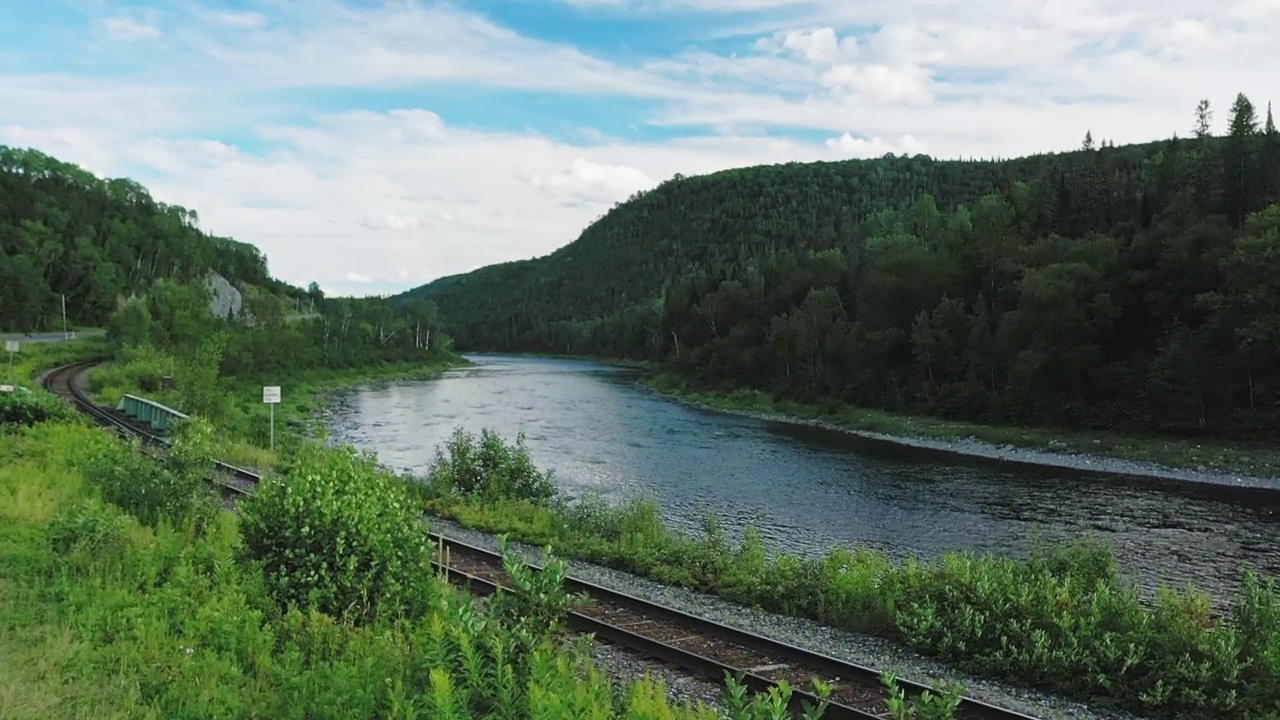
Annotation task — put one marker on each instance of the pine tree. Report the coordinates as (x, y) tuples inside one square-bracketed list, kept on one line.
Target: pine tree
[(1240, 162), (1204, 120), (1088, 140), (1270, 129)]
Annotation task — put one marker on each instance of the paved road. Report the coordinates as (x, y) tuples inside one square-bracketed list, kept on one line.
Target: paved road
[(48, 337)]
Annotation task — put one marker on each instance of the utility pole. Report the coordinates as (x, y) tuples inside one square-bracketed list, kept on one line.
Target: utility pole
[(65, 334)]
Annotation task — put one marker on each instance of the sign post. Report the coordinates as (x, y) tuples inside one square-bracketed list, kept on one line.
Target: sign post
[(271, 396), (12, 347)]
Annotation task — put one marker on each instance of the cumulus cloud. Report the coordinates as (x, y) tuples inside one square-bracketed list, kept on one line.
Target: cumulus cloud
[(385, 195), (848, 146), (587, 181)]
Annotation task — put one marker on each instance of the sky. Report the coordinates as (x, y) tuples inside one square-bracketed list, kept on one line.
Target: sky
[(373, 146)]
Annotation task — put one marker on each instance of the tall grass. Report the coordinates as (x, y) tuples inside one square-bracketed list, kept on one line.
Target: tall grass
[(1062, 620), (103, 615)]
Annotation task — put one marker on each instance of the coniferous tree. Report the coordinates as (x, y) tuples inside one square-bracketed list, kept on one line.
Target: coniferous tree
[(1088, 141), (1204, 120)]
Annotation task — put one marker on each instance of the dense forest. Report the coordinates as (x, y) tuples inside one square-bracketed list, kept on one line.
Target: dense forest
[(1133, 286), (64, 231), (138, 266)]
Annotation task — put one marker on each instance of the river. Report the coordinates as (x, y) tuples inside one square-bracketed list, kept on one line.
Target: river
[(806, 488)]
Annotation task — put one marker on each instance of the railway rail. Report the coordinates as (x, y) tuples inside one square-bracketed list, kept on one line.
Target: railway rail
[(695, 644)]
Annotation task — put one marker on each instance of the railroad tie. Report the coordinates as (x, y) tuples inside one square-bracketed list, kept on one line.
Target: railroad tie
[(768, 668)]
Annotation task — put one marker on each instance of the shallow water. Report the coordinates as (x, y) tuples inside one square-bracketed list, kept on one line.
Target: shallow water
[(805, 488)]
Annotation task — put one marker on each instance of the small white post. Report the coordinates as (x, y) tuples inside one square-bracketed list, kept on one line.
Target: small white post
[(271, 396), (12, 347), (65, 334)]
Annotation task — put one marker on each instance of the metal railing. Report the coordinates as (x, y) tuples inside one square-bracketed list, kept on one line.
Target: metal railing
[(158, 416)]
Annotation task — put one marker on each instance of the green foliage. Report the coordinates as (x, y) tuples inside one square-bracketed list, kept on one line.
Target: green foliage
[(1062, 620), (338, 534), (64, 231), (25, 407), (535, 605), (153, 491), (490, 468), (774, 705), (106, 618), (1119, 287), (197, 377), (928, 706)]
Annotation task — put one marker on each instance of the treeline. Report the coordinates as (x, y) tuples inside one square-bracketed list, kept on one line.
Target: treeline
[(268, 336), (1109, 287), (64, 231)]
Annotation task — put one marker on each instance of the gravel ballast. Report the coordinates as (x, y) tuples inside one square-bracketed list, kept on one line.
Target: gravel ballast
[(851, 647)]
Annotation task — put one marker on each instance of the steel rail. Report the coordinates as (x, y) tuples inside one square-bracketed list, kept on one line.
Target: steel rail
[(706, 667)]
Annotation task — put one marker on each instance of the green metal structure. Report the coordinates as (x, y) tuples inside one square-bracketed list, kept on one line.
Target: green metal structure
[(159, 417)]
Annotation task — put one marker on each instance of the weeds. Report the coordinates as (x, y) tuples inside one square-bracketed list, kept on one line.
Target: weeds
[(106, 617), (1062, 620)]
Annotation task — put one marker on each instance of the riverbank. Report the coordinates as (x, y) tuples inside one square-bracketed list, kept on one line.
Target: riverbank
[(863, 649), (245, 421), (1094, 452)]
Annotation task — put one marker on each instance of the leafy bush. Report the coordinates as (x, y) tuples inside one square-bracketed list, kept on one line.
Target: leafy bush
[(27, 408), (177, 625), (178, 492), (88, 526), (489, 468), (137, 371), (1062, 620), (535, 605), (338, 534)]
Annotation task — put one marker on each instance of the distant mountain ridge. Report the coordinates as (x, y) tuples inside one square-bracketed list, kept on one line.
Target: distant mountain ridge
[(1111, 286)]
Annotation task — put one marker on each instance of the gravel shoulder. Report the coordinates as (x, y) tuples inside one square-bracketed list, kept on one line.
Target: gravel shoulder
[(861, 649)]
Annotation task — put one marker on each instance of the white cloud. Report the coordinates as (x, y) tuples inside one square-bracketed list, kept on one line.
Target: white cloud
[(848, 146), (127, 29), (881, 83), (383, 196), (591, 182)]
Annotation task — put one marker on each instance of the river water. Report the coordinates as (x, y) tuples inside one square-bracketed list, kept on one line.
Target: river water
[(806, 488)]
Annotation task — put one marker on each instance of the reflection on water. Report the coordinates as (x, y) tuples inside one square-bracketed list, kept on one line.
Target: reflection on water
[(806, 488)]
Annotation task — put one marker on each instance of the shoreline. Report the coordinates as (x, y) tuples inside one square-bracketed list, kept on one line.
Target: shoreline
[(978, 449)]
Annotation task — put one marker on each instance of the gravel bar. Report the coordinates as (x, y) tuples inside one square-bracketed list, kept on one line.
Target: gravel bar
[(975, 448), (852, 647)]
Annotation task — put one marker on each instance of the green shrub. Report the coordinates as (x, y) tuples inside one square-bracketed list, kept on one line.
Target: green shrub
[(1063, 620), (535, 606), (338, 534), (26, 408), (177, 492), (489, 468), (87, 526)]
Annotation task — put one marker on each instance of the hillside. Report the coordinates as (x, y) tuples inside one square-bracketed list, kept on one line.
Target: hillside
[(1134, 286), (64, 230)]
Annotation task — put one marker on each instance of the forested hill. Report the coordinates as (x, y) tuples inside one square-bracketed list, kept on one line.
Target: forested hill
[(1112, 286), (65, 231)]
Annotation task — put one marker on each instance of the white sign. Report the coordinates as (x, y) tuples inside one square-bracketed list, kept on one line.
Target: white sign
[(11, 346), (6, 388), (271, 394)]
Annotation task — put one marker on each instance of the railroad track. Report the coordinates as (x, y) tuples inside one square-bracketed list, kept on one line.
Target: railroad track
[(695, 644)]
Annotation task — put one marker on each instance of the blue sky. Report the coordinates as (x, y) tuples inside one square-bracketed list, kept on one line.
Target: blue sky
[(372, 146)]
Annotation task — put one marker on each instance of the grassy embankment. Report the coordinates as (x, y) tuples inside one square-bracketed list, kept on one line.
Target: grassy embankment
[(125, 593), (244, 420), (1063, 621), (1255, 460)]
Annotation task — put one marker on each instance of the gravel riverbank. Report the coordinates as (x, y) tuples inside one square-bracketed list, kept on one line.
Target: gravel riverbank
[(860, 649), (975, 448)]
